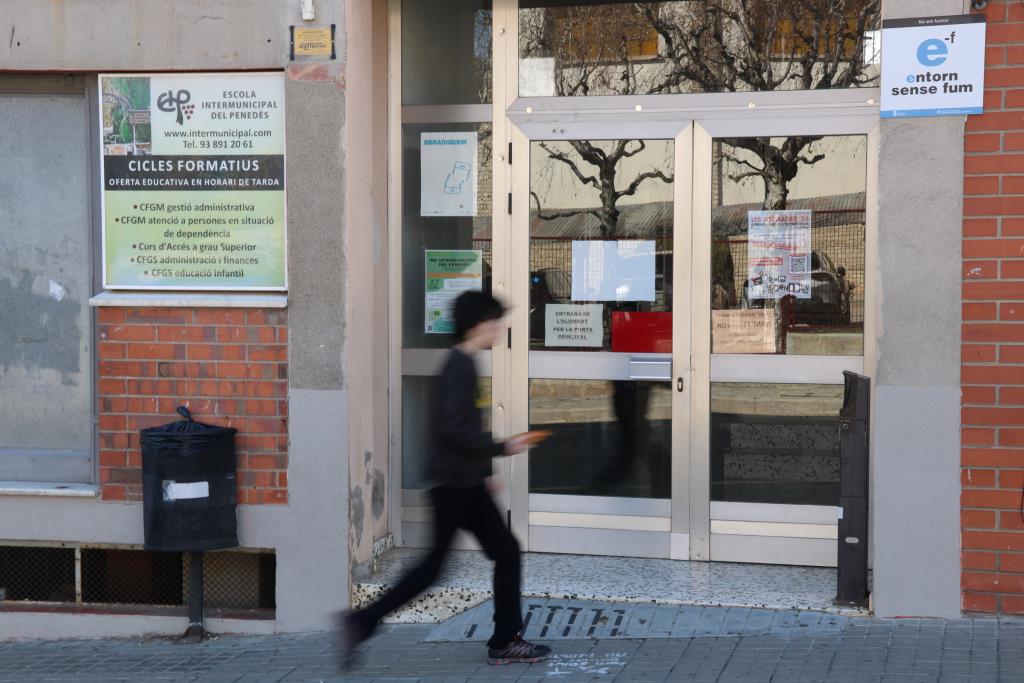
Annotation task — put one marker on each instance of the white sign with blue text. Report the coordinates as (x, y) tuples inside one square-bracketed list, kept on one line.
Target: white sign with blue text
[(448, 174), (933, 66)]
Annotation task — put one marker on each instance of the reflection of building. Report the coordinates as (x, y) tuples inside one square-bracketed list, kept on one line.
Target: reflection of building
[(838, 232), (328, 381), (637, 48)]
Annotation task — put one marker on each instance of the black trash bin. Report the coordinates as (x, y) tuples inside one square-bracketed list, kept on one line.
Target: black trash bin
[(854, 439), (188, 486)]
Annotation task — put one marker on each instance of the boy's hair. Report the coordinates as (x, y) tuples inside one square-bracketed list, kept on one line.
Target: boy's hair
[(473, 308)]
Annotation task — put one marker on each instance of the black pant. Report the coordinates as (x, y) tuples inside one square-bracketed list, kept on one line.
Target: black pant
[(474, 510)]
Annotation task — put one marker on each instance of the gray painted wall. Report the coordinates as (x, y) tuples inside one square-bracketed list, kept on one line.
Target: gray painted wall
[(311, 556), (314, 575), (89, 35), (310, 534), (916, 438)]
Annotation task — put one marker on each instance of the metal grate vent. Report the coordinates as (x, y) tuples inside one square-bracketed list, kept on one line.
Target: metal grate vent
[(235, 583), (131, 577), (37, 574), (236, 580)]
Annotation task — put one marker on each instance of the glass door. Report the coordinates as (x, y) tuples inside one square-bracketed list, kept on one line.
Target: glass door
[(600, 342), (441, 212), (692, 395), (781, 260)]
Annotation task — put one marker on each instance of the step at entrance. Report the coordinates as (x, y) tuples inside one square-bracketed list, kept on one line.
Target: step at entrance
[(466, 583)]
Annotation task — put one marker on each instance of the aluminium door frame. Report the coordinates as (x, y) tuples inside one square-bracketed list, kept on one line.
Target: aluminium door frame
[(602, 522), (409, 509), (783, 534), (719, 115)]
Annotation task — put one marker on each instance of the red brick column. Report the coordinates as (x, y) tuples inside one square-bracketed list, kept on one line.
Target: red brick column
[(229, 366), (992, 430)]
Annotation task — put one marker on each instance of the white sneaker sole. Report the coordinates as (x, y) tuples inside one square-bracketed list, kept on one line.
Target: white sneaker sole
[(501, 661)]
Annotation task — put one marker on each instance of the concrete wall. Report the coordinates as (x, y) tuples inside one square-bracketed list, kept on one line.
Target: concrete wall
[(88, 35), (366, 250), (916, 478), (310, 534), (314, 576)]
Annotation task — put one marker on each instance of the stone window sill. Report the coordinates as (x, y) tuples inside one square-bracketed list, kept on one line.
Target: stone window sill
[(57, 489), (189, 300)]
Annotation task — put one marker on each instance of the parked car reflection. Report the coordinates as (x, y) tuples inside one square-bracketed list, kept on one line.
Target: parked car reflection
[(829, 303), (547, 286)]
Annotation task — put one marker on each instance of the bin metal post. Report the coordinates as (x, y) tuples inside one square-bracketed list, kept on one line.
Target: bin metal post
[(852, 575), (196, 627)]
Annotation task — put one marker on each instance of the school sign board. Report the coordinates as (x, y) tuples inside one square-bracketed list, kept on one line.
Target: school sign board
[(193, 181), (933, 66)]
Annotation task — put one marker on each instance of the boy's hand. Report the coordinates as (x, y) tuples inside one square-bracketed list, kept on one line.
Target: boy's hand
[(525, 441)]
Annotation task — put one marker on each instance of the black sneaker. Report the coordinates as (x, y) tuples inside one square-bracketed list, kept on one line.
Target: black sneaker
[(518, 651), (349, 634)]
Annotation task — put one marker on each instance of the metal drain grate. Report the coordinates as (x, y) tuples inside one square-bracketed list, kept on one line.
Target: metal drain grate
[(578, 620)]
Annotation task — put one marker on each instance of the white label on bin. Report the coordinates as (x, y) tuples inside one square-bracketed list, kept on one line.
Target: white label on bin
[(187, 491)]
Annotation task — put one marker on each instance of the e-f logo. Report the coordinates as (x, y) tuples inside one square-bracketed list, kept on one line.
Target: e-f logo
[(933, 52)]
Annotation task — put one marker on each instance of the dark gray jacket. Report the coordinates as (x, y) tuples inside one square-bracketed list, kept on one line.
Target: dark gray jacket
[(461, 450)]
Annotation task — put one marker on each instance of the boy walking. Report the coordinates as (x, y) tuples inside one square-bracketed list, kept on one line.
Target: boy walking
[(460, 461)]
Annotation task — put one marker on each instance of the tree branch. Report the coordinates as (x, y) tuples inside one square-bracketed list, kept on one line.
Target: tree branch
[(564, 158), (642, 147), (813, 160), (640, 179), (566, 213), (739, 177)]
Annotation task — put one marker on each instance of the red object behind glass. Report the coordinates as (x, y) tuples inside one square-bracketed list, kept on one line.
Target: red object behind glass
[(641, 332)]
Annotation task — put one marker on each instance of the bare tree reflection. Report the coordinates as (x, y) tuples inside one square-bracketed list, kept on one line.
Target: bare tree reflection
[(604, 160), (709, 46)]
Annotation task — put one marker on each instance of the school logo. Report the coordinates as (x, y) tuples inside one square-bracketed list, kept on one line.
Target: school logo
[(171, 101)]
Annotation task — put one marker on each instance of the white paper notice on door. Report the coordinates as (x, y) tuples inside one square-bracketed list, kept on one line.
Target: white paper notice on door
[(779, 254), (580, 325), (613, 270), (448, 174)]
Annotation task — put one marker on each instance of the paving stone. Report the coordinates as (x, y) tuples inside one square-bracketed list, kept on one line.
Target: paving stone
[(592, 641)]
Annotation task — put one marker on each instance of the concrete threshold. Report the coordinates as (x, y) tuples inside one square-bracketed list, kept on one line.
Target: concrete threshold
[(466, 582)]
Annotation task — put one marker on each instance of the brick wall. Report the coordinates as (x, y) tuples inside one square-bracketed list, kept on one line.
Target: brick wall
[(229, 366), (992, 430)]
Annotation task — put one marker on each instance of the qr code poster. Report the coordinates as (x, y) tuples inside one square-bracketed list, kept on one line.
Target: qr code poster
[(798, 265), (779, 254)]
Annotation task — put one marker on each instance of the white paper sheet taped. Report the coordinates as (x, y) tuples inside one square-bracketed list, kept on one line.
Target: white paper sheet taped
[(610, 270), (186, 491)]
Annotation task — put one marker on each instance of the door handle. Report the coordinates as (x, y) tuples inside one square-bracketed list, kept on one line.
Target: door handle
[(679, 384)]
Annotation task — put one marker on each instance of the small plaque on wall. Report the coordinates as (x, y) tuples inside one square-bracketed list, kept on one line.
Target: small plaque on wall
[(312, 41)]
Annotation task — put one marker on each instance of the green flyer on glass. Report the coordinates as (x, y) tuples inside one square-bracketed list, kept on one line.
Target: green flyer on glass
[(448, 274)]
